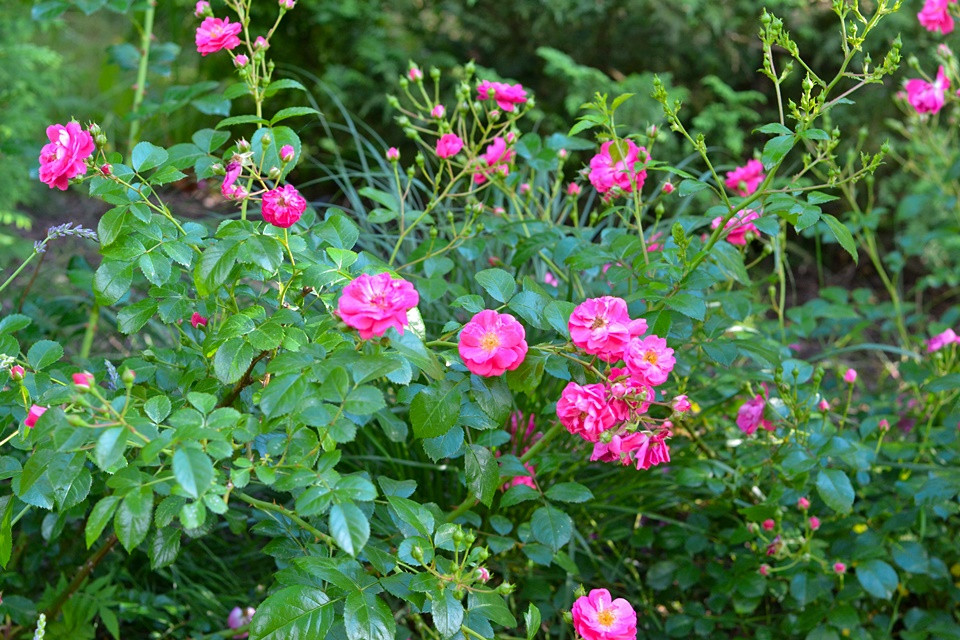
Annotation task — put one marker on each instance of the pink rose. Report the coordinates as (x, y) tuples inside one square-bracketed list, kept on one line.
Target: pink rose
[(586, 411), (573, 189), (935, 16), (850, 376), (602, 327), (839, 568), (415, 74), (597, 617), (497, 156), (393, 154), (283, 206), (449, 145), (506, 95), (33, 415), (738, 226), (649, 359), (483, 574), (668, 188), (769, 524), (750, 416), (83, 381), (438, 111), (65, 156), (618, 167), (373, 304), (803, 504), (492, 343), (287, 152), (942, 340), (926, 97), (241, 61), (227, 189), (681, 404), (16, 373), (745, 180), (215, 34), (202, 9), (197, 320), (814, 523), (288, 4)]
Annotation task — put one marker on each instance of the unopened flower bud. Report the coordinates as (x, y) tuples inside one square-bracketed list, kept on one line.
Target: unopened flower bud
[(76, 421), (241, 61), (128, 376), (433, 232), (287, 152), (202, 9), (274, 173), (16, 373), (415, 74), (393, 102), (505, 588), (106, 169), (243, 145), (393, 154), (266, 140), (261, 43), (286, 5)]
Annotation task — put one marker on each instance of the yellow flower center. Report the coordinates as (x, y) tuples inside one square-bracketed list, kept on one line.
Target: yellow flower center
[(606, 618), (489, 341), (598, 323), (651, 357)]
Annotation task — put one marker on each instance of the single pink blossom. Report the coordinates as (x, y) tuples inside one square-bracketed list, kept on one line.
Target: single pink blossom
[(526, 480), (935, 16), (373, 304), (16, 373), (681, 404), (393, 154), (215, 34), (824, 405), (573, 189), (288, 4), (650, 450), (586, 410), (649, 359), (839, 568), (483, 574), (738, 226), (287, 152), (668, 188), (750, 416), (83, 381), (65, 156), (33, 415), (492, 343), (814, 523), (506, 95), (769, 524), (850, 376), (597, 617), (202, 9), (942, 340), (525, 188), (261, 43), (449, 145), (745, 180), (602, 327), (551, 280), (926, 97), (618, 166), (197, 320), (283, 206), (765, 570), (415, 74), (562, 154), (498, 156), (803, 504), (229, 189), (240, 617), (241, 61), (438, 111), (883, 425)]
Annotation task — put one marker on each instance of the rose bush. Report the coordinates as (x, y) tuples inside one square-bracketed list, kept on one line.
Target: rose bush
[(396, 401)]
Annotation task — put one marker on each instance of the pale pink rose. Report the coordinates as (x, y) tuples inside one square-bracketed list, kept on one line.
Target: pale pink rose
[(240, 617), (65, 156), (745, 180), (942, 340), (586, 411), (492, 343), (884, 425), (602, 327), (373, 304), (228, 189), (393, 154), (449, 145), (935, 16), (597, 617), (17, 372), (839, 568), (551, 280), (438, 111), (803, 504), (573, 189), (261, 43), (625, 171), (497, 156), (649, 359), (765, 570), (525, 188), (850, 376), (926, 97), (215, 34), (83, 381), (283, 206), (197, 320), (768, 525), (288, 4), (506, 95), (814, 523), (33, 415), (738, 226), (483, 574), (241, 61), (681, 404), (415, 74), (562, 154), (750, 416), (202, 9)]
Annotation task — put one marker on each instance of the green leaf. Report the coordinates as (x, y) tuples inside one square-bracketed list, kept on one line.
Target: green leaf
[(193, 471), (155, 267), (877, 578), (447, 613), (293, 613), (232, 360), (292, 112), (569, 492), (517, 494), (166, 175), (215, 265), (132, 520), (498, 283), (14, 322), (688, 305), (349, 527), (367, 617), (99, 517), (532, 621), (435, 410), (283, 394), (483, 473), (229, 122), (283, 83), (834, 487), (690, 187), (43, 353), (775, 128), (6, 530), (842, 234), (157, 407), (210, 140), (112, 281), (529, 306), (776, 149), (110, 447), (146, 156), (373, 367), (949, 382), (551, 527), (133, 316), (164, 548), (364, 400)]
